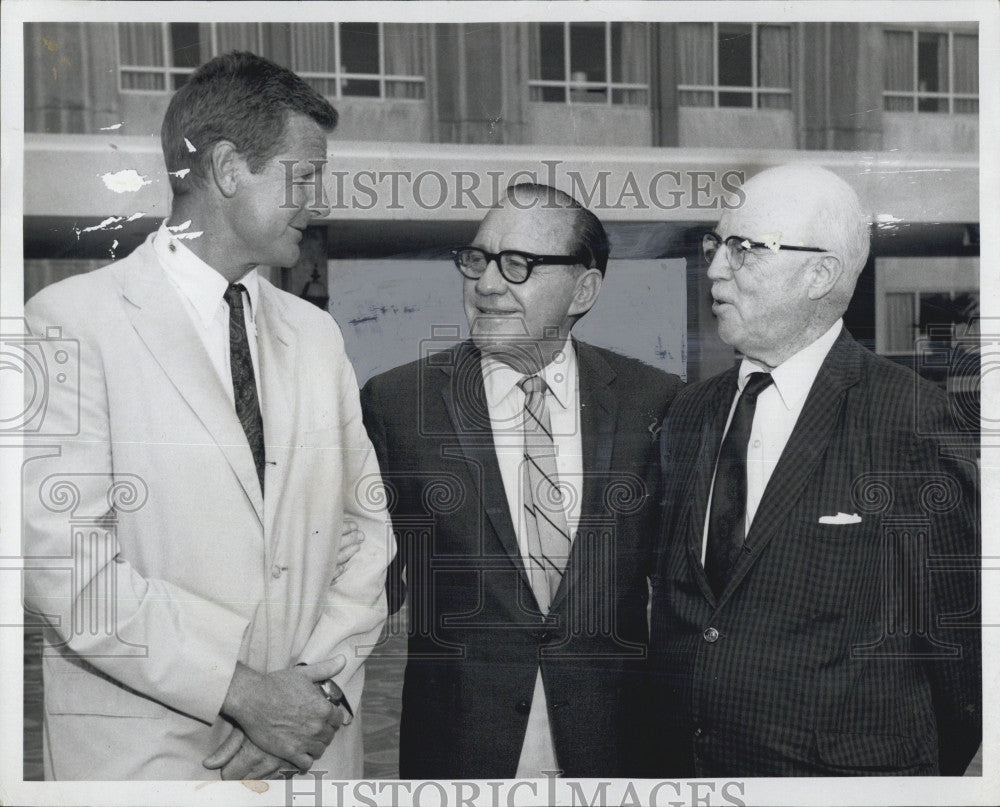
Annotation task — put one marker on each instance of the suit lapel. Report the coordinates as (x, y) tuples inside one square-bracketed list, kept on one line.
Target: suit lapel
[(816, 425), (709, 440), (276, 349), (158, 316), (471, 423), (598, 421)]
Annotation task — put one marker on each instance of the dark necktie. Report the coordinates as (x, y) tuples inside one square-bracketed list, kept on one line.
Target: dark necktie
[(548, 537), (244, 384), (727, 516)]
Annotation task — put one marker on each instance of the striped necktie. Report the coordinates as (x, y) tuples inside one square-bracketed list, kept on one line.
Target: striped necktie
[(548, 537)]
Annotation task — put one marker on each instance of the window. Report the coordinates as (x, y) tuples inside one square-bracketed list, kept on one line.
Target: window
[(734, 65), (930, 71), (373, 60), (159, 57), (589, 63)]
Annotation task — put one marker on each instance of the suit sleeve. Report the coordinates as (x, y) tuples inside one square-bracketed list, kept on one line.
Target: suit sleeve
[(395, 585), (955, 613), (355, 607), (146, 634)]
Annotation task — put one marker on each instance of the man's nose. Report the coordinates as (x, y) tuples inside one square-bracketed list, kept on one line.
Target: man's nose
[(318, 208), (719, 268), (491, 281)]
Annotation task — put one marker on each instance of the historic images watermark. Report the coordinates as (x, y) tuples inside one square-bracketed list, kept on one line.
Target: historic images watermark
[(600, 191), (322, 792)]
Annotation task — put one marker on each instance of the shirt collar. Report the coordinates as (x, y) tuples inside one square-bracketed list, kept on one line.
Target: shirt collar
[(794, 377), (198, 282), (500, 379)]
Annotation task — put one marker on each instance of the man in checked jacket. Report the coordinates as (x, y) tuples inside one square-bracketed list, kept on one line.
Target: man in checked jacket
[(816, 597)]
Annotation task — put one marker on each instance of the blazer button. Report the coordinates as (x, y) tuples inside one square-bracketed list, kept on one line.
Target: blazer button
[(710, 635), (699, 732), (543, 636), (523, 706), (275, 571)]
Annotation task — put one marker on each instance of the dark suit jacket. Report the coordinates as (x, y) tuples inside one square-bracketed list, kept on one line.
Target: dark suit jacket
[(836, 649), (476, 635)]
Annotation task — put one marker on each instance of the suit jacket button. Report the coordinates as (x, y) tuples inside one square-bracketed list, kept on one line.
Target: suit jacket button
[(275, 571), (523, 706), (543, 636), (710, 635), (698, 732)]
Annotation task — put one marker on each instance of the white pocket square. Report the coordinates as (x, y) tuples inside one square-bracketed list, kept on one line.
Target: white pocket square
[(841, 518)]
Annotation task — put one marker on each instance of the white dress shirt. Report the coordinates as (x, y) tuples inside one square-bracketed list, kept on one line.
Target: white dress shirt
[(778, 409), (505, 403), (202, 288)]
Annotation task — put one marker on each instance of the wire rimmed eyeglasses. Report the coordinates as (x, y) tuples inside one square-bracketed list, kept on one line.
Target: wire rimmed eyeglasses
[(515, 266), (737, 248)]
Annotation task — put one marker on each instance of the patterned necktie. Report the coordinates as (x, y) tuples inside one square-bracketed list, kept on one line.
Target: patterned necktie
[(244, 384), (727, 517), (548, 537)]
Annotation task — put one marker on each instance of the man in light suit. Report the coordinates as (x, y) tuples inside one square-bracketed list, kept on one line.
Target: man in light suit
[(815, 605), (182, 517), (521, 467)]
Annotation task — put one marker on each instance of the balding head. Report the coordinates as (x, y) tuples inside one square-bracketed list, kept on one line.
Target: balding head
[(783, 299)]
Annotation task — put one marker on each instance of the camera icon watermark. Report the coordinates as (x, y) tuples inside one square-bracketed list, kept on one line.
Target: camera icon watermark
[(958, 359), (46, 365)]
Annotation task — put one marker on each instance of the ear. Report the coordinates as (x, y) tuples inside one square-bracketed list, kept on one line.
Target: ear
[(588, 286), (228, 166), (824, 275)]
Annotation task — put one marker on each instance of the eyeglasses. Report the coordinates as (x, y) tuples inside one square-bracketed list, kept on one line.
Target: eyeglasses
[(515, 266), (737, 248)]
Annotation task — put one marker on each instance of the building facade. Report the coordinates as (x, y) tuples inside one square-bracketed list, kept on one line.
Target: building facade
[(890, 106)]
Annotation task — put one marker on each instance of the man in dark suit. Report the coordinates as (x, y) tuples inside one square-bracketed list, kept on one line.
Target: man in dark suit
[(522, 475), (815, 601)]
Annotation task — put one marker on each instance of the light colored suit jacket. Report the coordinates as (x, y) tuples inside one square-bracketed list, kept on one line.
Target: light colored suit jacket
[(151, 552)]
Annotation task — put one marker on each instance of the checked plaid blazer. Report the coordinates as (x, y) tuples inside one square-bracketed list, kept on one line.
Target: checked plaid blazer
[(476, 634), (836, 648)]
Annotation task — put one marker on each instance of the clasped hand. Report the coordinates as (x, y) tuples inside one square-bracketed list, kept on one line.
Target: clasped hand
[(283, 713)]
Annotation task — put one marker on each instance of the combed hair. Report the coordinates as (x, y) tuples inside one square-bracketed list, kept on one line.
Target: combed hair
[(589, 233), (240, 97)]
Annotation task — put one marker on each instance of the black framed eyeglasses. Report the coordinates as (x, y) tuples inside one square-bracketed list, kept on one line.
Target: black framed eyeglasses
[(514, 265), (737, 248)]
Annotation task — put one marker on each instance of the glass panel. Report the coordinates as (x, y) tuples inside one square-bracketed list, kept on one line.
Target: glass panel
[(550, 52), (932, 104), (735, 99), (413, 90), (630, 97), (734, 57), (899, 322), (549, 94), (694, 56), (313, 48), (690, 98), (142, 81), (586, 51), (359, 48), (932, 62), (404, 49), (359, 87), (898, 61), (774, 58), (629, 53), (588, 96), (966, 55), (774, 100), (237, 36), (141, 44), (186, 44), (966, 106), (276, 43), (324, 86), (178, 80)]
